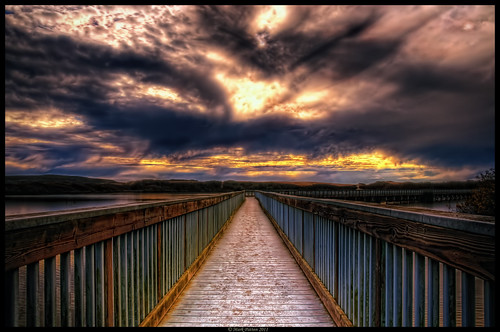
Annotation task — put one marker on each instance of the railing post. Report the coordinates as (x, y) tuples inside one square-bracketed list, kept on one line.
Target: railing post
[(314, 242), (50, 291), (419, 282), (122, 265), (397, 289), (336, 262), (64, 284), (99, 286), (130, 279), (489, 304), (108, 282), (449, 305), (12, 294), (32, 294), (79, 287), (159, 258), (407, 287), (433, 293), (468, 300), (378, 284)]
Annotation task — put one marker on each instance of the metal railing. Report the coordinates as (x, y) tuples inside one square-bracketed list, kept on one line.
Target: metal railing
[(107, 266), (387, 267)]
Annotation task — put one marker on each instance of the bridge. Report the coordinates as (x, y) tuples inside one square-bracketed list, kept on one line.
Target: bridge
[(249, 259), (387, 195)]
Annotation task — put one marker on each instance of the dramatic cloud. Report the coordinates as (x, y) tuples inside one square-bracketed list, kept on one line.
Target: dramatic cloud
[(318, 93)]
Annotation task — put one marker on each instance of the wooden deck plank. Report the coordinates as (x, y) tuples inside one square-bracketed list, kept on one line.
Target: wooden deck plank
[(249, 279)]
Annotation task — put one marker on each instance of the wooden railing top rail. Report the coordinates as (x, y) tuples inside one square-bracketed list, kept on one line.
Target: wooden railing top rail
[(466, 244), (31, 238)]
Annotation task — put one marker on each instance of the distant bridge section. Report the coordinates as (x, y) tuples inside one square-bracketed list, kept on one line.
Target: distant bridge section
[(387, 196)]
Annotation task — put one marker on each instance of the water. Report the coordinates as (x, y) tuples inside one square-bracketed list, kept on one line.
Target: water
[(24, 204), (447, 206)]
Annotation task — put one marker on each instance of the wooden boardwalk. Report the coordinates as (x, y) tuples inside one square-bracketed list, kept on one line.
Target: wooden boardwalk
[(249, 279)]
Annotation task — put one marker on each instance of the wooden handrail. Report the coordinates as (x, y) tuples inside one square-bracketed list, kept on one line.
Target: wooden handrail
[(29, 239), (468, 245)]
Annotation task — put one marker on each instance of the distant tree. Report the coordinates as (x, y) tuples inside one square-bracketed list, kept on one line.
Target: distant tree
[(482, 200)]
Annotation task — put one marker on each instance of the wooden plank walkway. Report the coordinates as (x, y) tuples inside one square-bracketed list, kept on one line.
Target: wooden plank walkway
[(249, 279)]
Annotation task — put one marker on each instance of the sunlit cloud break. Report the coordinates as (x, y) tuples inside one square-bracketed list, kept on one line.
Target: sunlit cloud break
[(341, 94)]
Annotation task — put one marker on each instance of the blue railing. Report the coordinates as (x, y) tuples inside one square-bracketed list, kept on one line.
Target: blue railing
[(108, 266), (385, 267)]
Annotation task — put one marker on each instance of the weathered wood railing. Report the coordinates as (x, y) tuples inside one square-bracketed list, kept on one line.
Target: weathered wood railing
[(116, 266), (376, 266)]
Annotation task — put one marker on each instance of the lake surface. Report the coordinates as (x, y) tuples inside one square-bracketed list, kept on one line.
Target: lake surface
[(24, 204), (450, 206)]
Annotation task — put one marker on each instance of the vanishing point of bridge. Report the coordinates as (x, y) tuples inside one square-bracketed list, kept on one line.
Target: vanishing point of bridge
[(231, 260)]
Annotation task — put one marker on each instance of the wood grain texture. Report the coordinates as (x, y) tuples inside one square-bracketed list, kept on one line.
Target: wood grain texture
[(249, 279)]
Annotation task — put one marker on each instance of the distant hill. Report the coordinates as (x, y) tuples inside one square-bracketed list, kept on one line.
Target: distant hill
[(58, 184), (61, 184)]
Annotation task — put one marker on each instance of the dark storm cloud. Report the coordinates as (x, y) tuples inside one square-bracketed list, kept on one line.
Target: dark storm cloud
[(440, 112), (323, 48), (44, 62), (228, 28)]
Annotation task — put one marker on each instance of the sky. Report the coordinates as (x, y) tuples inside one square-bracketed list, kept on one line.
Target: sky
[(338, 94)]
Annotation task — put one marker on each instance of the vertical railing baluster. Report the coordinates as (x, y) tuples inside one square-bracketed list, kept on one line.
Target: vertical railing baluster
[(147, 274), (116, 281), (321, 248), (355, 274), (330, 254), (123, 266), (89, 286), (79, 278), (350, 299), (130, 281), (433, 293), (335, 254), (468, 300), (50, 291), (32, 308), (164, 289), (154, 248), (369, 276), (142, 273), (109, 282), (360, 279), (389, 284), (341, 256), (380, 283), (12, 295), (99, 284), (137, 280), (407, 287), (419, 282), (64, 280), (397, 289), (489, 304), (449, 297)]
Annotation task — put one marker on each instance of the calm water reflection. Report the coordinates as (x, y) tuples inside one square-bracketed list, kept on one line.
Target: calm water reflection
[(23, 204)]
